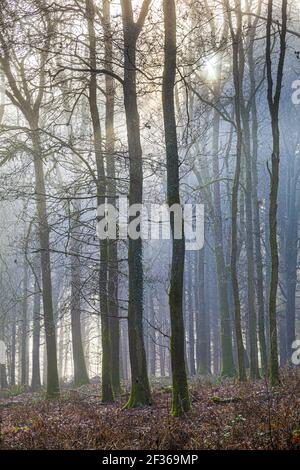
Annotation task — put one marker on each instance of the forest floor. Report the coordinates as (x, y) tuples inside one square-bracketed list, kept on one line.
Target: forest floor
[(225, 415)]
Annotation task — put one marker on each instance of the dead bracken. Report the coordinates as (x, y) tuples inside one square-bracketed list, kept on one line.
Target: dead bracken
[(259, 418)]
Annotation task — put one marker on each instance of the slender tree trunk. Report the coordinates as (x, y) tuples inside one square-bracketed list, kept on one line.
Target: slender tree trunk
[(227, 364), (291, 255), (13, 352), (151, 336), (107, 391), (43, 228), (140, 389), (252, 321), (36, 333), (80, 370), (24, 328), (180, 399), (3, 376), (245, 114), (273, 102), (113, 280), (189, 311), (256, 211), (61, 348), (124, 347), (202, 320), (3, 372), (162, 342), (236, 38)]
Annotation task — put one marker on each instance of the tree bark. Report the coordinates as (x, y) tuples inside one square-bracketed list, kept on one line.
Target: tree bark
[(236, 38), (24, 328), (80, 370), (43, 229), (180, 397), (140, 389), (107, 390), (273, 102), (113, 280), (36, 333), (256, 209)]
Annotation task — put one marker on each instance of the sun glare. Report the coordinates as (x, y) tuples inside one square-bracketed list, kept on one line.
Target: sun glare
[(210, 68)]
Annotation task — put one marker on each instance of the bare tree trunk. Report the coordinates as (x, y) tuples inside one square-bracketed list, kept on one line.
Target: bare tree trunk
[(202, 320), (245, 114), (80, 371), (3, 372), (140, 389), (236, 38), (151, 336), (291, 255), (13, 351), (113, 280), (107, 391), (36, 333), (43, 229), (189, 313), (227, 365), (24, 328), (256, 211), (252, 322), (180, 399), (162, 342), (274, 102)]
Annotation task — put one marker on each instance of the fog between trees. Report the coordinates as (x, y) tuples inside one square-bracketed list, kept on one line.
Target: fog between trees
[(186, 102)]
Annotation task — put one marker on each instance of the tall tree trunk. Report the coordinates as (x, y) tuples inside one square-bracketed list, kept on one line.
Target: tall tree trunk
[(189, 285), (227, 364), (151, 336), (140, 389), (13, 351), (113, 280), (252, 321), (36, 333), (291, 255), (236, 38), (43, 229), (80, 370), (107, 391), (180, 398), (202, 317), (273, 102), (24, 328), (162, 342), (245, 114), (256, 209), (3, 372)]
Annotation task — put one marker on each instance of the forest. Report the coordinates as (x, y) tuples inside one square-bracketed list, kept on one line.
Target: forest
[(175, 328)]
